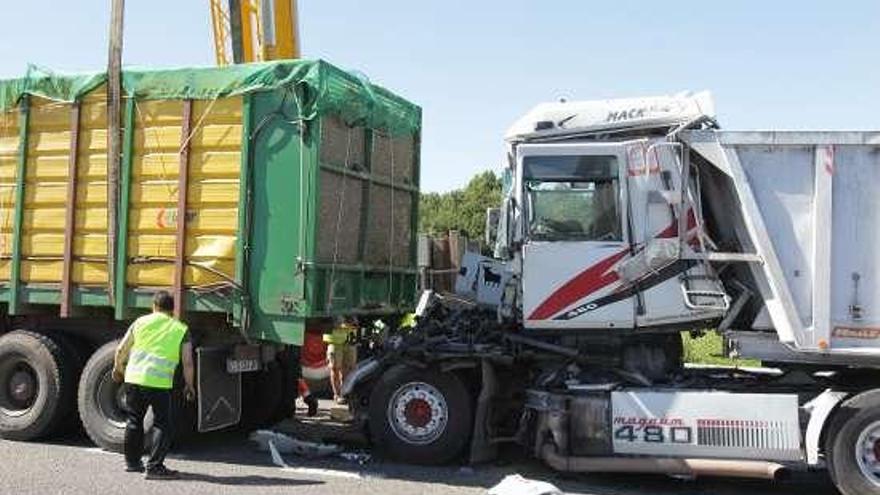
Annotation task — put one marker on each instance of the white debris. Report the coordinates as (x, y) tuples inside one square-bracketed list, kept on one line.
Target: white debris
[(358, 457), (276, 457), (515, 484), (279, 461), (285, 444)]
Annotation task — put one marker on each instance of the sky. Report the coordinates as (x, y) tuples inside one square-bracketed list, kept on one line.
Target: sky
[(476, 66)]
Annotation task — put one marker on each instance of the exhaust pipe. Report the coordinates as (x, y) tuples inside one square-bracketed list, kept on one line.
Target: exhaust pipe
[(664, 465)]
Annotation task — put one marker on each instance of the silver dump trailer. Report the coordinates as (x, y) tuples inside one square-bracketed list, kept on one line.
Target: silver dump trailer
[(806, 205), (625, 223)]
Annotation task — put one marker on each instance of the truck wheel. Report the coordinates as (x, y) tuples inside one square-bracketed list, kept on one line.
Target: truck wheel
[(36, 386), (102, 402), (261, 396), (73, 350), (75, 359), (853, 445), (420, 416), (269, 396), (291, 370)]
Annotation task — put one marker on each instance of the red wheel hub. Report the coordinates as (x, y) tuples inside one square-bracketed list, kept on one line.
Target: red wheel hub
[(418, 412), (877, 449)]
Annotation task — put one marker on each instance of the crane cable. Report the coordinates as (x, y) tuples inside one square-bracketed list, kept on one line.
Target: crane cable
[(339, 213), (391, 236)]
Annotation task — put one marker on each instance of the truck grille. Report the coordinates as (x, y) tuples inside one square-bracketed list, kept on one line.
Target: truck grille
[(765, 435)]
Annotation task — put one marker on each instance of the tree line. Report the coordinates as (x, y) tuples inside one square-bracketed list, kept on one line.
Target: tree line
[(461, 209)]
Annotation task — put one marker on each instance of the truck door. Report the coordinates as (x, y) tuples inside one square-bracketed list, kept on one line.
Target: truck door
[(574, 205)]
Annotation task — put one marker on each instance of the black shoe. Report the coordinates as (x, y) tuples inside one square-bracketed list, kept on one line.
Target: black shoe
[(138, 468), (161, 473), (312, 402)]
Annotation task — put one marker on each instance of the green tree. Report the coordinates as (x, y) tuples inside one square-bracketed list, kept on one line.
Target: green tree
[(461, 209)]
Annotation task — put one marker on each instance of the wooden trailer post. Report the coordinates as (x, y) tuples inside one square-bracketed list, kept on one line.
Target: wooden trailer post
[(70, 212), (182, 186)]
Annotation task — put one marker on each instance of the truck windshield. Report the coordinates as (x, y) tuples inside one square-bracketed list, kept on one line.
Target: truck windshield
[(572, 198)]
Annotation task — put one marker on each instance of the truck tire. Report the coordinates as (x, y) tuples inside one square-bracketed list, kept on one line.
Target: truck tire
[(102, 401), (74, 351), (36, 386), (269, 396), (853, 445), (291, 371), (420, 416), (261, 397), (75, 360)]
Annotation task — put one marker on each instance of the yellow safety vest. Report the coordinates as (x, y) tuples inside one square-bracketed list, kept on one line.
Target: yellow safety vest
[(408, 321), (156, 351), (339, 335)]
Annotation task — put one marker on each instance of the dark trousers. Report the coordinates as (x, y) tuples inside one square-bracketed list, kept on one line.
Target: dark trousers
[(138, 399)]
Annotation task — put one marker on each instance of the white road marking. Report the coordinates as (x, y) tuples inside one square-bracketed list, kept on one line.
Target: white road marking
[(98, 450), (325, 472)]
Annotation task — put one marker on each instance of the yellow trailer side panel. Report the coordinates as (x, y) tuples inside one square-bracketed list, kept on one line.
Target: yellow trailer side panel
[(8, 162), (90, 233), (45, 186), (212, 193)]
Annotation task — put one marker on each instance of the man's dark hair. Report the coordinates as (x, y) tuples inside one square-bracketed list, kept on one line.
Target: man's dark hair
[(163, 301)]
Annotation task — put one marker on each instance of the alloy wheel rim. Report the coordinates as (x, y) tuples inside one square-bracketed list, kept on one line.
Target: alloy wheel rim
[(867, 452), (418, 413)]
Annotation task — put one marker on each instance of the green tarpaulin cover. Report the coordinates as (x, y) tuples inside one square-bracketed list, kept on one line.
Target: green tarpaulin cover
[(322, 89)]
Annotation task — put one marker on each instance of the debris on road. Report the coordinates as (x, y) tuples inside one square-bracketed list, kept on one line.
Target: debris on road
[(515, 484), (285, 444), (340, 413), (276, 457), (358, 457), (279, 461)]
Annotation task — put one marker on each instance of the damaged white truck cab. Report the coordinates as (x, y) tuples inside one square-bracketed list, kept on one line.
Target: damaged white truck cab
[(624, 223), (596, 242)]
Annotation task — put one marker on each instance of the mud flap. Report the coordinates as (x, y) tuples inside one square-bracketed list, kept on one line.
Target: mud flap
[(219, 392)]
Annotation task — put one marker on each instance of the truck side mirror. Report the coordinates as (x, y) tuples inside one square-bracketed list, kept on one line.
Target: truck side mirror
[(493, 215)]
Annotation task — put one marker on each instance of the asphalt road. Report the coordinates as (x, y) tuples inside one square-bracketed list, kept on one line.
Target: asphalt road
[(229, 463)]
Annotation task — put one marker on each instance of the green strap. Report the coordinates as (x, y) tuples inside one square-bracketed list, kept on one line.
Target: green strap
[(122, 209)]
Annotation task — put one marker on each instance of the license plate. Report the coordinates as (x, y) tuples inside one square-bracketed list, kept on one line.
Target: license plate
[(242, 365)]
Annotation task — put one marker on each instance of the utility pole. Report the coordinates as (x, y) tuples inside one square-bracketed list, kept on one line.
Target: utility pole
[(114, 137)]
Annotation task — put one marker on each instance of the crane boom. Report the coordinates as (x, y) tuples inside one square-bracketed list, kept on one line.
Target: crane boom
[(220, 27), (254, 30)]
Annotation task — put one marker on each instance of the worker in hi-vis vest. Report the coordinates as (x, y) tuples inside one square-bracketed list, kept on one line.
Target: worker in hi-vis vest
[(146, 360), (341, 354)]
